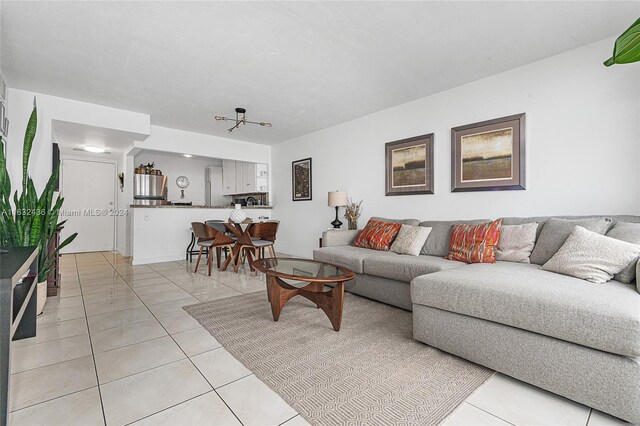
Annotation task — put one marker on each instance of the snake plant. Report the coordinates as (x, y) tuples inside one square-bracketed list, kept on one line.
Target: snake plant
[(35, 218), (627, 46)]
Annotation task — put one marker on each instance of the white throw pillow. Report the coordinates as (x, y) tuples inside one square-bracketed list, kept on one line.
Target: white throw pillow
[(516, 242), (591, 256), (410, 239)]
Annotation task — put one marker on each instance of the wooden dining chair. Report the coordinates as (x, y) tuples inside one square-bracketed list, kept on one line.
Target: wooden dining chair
[(218, 225), (210, 238), (263, 236)]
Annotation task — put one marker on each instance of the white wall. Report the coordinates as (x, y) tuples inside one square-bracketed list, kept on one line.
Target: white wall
[(582, 136), (55, 108), (174, 165), (124, 197), (173, 140)]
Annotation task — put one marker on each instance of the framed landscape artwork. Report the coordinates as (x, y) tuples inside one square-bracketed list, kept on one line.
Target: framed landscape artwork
[(489, 156), (301, 179), (409, 166)]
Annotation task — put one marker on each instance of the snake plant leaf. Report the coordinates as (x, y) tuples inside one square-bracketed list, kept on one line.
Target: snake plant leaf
[(29, 136), (627, 47)]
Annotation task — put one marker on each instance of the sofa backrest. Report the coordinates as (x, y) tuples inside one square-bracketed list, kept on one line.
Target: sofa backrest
[(412, 222), (437, 243), (541, 220)]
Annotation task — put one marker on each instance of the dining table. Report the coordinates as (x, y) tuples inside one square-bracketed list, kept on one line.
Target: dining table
[(242, 233)]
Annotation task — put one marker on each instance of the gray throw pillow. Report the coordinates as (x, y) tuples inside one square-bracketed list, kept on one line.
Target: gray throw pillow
[(629, 232), (556, 231), (516, 242), (438, 242), (410, 239), (592, 256)]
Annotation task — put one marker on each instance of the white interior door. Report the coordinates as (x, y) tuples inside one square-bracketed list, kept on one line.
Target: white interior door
[(88, 188)]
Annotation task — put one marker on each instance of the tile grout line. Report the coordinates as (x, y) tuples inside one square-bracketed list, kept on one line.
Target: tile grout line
[(168, 408), (589, 416), (482, 409), (93, 355), (291, 418)]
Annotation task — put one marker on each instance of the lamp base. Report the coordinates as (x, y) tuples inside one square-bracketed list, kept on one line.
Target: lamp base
[(336, 223)]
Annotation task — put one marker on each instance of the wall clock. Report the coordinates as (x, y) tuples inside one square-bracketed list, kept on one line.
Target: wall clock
[(182, 182)]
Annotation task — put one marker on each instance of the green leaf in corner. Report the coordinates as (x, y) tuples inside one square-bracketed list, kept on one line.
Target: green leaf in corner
[(29, 135), (627, 47)]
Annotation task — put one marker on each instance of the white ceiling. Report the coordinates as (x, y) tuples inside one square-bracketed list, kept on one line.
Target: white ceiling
[(303, 66), (73, 136)]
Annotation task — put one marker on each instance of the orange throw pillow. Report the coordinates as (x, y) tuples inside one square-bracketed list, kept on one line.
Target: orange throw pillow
[(474, 243), (377, 235)]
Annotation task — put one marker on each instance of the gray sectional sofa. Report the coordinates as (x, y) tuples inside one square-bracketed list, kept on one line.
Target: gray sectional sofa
[(574, 338)]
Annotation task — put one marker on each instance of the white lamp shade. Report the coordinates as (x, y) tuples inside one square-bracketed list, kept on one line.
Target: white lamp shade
[(337, 199)]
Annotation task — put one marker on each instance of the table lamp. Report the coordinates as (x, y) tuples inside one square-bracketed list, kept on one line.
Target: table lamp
[(337, 199)]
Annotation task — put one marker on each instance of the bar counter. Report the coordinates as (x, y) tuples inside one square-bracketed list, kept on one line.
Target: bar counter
[(170, 206), (161, 233)]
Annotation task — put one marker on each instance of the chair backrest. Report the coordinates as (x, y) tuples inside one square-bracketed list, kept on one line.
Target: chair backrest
[(200, 231), (218, 225), (264, 230)]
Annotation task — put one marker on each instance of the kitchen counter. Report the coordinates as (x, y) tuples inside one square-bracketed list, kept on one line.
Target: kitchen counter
[(162, 233), (169, 206)]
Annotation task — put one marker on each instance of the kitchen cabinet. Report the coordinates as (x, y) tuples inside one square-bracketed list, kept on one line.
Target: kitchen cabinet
[(240, 177), (248, 177), (228, 177)]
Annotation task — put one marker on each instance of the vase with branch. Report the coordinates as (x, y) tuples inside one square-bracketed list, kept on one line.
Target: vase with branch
[(352, 213)]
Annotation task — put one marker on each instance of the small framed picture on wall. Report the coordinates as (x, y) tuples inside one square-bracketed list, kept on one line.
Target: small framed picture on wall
[(409, 166), (489, 156), (301, 180)]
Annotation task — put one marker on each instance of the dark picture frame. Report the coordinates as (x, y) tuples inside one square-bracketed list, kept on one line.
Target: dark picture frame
[(489, 155), (301, 180), (409, 166)]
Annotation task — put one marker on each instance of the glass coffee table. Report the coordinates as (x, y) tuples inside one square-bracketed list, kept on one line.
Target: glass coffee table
[(315, 274)]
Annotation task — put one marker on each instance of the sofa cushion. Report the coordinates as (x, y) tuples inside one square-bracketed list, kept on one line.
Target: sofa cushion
[(377, 235), (405, 268), (474, 243), (412, 222), (410, 240), (438, 242), (541, 220), (592, 257), (348, 256), (556, 231), (516, 242), (604, 317), (629, 232)]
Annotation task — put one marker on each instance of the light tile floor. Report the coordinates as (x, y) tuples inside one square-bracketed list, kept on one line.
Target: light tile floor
[(116, 347)]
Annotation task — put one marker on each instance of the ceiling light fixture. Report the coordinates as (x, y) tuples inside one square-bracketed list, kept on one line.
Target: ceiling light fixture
[(95, 149), (188, 155), (242, 120)]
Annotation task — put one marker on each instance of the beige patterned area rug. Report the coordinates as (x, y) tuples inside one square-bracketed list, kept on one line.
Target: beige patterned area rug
[(370, 372)]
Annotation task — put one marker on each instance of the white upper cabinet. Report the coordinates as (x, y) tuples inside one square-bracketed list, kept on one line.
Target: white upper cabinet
[(240, 177), (228, 177), (249, 177)]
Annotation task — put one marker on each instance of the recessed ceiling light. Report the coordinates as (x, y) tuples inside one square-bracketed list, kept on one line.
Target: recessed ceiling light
[(96, 149), (188, 155)]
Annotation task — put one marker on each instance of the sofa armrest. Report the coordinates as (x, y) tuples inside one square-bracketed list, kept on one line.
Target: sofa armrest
[(339, 238)]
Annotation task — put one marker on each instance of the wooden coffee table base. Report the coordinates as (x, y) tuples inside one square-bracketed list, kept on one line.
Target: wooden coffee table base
[(279, 293)]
